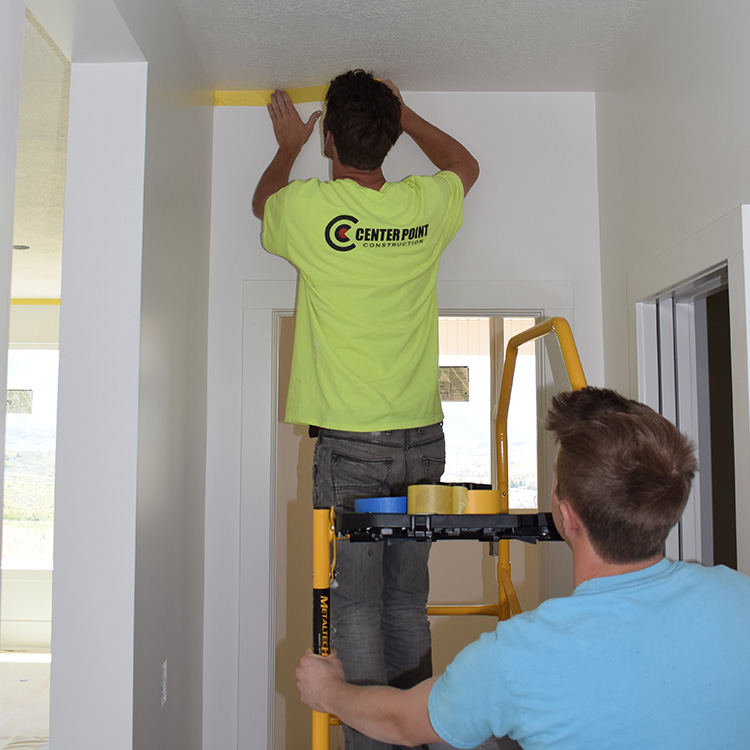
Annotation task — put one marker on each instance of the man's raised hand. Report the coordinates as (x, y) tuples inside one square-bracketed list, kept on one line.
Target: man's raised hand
[(290, 131)]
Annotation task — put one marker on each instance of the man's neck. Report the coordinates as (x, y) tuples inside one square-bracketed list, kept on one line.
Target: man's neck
[(587, 563), (369, 178), (588, 566)]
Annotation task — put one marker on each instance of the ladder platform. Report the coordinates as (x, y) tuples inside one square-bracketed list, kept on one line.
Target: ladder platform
[(526, 527)]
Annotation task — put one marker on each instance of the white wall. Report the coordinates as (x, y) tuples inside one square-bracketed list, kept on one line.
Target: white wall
[(35, 326), (531, 222), (674, 158), (97, 434), (169, 593), (674, 155), (128, 586)]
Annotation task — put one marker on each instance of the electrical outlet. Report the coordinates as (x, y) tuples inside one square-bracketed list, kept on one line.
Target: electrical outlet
[(164, 683)]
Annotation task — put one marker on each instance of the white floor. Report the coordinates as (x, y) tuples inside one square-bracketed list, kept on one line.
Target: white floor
[(24, 704), (24, 701)]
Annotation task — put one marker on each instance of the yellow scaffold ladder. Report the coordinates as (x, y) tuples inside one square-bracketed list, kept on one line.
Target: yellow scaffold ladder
[(324, 522)]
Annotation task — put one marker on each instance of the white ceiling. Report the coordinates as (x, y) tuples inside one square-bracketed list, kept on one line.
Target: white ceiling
[(423, 45), (40, 174)]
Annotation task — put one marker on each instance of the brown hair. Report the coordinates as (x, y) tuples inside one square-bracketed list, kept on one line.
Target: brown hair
[(364, 117), (626, 471)]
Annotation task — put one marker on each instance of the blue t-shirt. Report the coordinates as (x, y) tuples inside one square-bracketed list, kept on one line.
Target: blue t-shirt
[(658, 659)]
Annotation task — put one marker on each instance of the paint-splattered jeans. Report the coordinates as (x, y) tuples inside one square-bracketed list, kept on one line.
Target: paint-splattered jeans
[(379, 601)]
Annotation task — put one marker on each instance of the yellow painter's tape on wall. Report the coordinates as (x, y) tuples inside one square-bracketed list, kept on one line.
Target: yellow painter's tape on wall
[(262, 98), (35, 301)]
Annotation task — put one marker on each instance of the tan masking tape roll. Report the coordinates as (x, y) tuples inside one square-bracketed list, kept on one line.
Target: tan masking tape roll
[(437, 498), (483, 501)]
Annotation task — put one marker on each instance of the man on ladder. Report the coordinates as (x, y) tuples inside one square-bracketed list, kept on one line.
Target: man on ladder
[(365, 362)]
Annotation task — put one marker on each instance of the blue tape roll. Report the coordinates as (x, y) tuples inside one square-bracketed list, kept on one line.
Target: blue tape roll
[(380, 505)]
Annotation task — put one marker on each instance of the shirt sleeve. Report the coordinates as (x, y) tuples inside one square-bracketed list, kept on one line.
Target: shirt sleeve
[(275, 239), (453, 189), (470, 702)]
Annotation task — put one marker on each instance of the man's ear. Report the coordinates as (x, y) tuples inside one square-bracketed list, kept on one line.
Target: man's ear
[(328, 145), (571, 519)]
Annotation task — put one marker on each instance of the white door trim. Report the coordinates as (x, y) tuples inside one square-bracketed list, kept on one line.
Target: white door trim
[(721, 243)]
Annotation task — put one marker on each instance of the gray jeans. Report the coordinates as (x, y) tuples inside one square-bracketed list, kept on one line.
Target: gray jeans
[(379, 600)]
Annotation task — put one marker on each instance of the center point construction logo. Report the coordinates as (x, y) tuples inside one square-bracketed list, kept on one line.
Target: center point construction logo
[(337, 233), (343, 234)]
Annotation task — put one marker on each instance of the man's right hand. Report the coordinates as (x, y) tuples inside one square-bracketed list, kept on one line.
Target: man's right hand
[(317, 676), (444, 151), (398, 717), (392, 86)]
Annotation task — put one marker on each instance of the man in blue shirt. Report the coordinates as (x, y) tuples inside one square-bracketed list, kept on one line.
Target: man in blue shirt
[(646, 653)]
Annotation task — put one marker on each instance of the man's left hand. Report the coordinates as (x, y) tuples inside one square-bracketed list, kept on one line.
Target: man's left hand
[(288, 127), (291, 134)]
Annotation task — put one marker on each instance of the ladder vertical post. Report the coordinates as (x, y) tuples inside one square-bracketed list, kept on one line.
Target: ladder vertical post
[(322, 537), (506, 594), (501, 446)]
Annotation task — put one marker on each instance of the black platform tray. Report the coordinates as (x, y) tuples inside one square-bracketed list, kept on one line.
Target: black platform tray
[(527, 527)]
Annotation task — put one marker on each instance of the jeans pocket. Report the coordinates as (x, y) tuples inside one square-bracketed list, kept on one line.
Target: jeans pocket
[(354, 477), (433, 468)]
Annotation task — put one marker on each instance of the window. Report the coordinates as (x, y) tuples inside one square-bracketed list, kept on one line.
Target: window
[(28, 508), (467, 388)]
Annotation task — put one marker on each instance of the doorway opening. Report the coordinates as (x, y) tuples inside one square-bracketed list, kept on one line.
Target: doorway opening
[(31, 402), (685, 374)]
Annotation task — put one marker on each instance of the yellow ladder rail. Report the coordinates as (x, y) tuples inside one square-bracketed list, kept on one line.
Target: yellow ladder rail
[(324, 525), (560, 327), (507, 601)]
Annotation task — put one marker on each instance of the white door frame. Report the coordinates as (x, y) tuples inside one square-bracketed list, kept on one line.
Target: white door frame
[(673, 379), (719, 245)]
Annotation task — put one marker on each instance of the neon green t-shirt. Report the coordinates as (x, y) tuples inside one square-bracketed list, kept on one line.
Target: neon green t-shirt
[(366, 342)]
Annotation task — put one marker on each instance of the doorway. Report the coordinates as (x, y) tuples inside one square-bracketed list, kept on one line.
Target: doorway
[(685, 373), (31, 402)]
